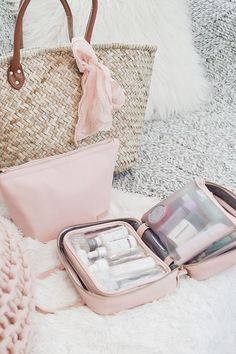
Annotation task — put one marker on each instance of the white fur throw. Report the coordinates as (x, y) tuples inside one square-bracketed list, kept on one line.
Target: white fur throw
[(178, 81)]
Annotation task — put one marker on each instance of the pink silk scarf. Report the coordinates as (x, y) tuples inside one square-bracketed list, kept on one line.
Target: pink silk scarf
[(101, 95)]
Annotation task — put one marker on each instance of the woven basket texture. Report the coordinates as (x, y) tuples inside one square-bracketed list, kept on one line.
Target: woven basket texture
[(16, 292), (39, 120)]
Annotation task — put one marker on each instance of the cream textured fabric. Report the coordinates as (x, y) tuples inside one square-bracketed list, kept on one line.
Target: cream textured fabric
[(16, 292), (39, 119)]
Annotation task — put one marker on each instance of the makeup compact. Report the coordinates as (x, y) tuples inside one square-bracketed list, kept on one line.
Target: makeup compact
[(119, 264)]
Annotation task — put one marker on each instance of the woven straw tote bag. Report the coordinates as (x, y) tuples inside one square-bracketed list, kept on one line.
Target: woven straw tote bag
[(40, 91)]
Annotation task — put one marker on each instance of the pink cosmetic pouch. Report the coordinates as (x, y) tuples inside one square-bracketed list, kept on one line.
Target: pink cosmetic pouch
[(119, 264), (44, 196)]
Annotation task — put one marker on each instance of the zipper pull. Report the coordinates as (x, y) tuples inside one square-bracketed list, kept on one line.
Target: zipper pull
[(181, 271)]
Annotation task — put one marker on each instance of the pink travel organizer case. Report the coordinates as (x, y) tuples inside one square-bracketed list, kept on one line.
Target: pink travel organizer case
[(192, 232)]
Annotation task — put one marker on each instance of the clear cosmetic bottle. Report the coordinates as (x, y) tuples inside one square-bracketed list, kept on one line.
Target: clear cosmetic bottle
[(124, 274), (114, 249), (81, 242)]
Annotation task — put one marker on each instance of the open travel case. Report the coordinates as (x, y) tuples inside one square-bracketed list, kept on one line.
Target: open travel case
[(120, 264)]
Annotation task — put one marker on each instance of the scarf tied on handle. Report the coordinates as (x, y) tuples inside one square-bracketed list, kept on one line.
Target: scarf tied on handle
[(101, 95)]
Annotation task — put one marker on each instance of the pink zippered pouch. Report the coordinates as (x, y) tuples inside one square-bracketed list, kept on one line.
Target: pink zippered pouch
[(44, 196)]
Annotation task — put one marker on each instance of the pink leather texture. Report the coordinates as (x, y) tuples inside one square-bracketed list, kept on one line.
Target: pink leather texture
[(105, 305), (46, 195), (101, 95), (204, 270)]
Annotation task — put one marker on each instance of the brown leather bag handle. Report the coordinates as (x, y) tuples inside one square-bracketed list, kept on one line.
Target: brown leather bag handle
[(91, 21), (15, 74), (68, 15)]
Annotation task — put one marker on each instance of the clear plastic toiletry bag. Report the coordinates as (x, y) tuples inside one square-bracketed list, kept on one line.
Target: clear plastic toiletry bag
[(120, 264), (111, 273)]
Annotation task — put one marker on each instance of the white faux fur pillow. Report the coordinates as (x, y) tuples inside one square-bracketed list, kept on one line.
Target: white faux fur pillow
[(178, 82)]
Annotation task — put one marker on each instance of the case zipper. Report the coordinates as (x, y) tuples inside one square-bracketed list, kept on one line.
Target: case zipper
[(181, 271), (50, 158)]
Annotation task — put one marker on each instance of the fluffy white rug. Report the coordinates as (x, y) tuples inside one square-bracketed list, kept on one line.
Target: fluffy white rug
[(178, 82), (200, 317)]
